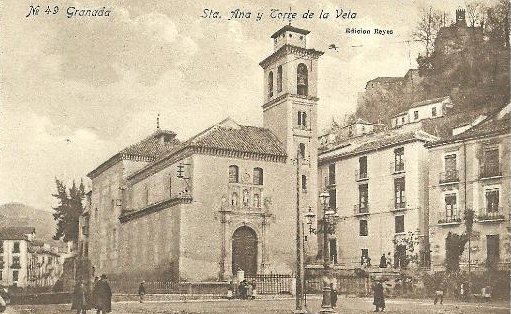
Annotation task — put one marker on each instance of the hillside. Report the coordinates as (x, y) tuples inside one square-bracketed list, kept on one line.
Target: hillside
[(20, 215)]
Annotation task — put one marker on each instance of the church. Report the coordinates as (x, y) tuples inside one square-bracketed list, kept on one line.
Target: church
[(224, 200)]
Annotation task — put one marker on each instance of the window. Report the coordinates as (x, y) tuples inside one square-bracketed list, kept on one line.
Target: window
[(451, 213), (416, 114), (363, 197), (399, 161), (270, 84), (302, 119), (399, 193), (233, 174), (301, 148), (332, 201), (433, 111), (15, 262), (450, 162), (403, 120), (16, 247), (490, 166), (363, 228), (1, 246), (302, 80), (234, 199), (304, 182), (492, 200), (362, 167), (399, 224), (258, 176), (492, 250), (331, 174), (279, 79), (15, 275)]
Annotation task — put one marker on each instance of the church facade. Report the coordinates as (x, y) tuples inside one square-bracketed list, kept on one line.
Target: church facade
[(226, 199)]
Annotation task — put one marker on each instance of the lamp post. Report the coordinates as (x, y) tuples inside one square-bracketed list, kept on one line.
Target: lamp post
[(327, 226)]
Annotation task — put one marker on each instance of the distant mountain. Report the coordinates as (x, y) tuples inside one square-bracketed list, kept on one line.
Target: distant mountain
[(21, 215)]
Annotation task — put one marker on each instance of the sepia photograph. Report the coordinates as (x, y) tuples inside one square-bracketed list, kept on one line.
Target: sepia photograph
[(234, 156)]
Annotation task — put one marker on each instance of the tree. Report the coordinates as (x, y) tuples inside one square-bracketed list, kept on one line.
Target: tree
[(475, 13), (68, 211), (410, 243), (428, 26), (496, 23), (454, 247)]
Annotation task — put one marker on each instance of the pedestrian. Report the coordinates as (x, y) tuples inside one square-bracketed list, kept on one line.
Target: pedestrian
[(389, 261), (141, 291), (487, 293), (93, 297), (249, 291), (368, 261), (439, 292), (78, 302), (462, 291), (103, 295), (379, 298), (230, 290), (333, 294), (383, 261)]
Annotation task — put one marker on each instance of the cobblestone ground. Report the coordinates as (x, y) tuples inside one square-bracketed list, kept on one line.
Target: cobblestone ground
[(345, 305)]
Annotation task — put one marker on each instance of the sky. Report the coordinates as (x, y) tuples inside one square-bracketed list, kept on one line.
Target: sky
[(74, 91)]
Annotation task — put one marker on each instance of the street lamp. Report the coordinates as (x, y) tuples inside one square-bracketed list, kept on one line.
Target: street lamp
[(329, 221)]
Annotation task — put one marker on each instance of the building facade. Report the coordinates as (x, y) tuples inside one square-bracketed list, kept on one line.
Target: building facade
[(470, 171), (26, 262), (378, 185), (224, 200)]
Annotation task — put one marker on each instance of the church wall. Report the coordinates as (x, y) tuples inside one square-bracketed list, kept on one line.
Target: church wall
[(201, 238)]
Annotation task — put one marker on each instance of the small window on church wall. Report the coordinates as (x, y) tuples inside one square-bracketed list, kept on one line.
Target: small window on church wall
[(270, 84), (234, 199), (302, 80), (304, 182), (233, 174), (258, 176), (301, 148), (279, 79)]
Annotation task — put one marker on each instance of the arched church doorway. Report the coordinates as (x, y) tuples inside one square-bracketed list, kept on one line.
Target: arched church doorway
[(244, 250)]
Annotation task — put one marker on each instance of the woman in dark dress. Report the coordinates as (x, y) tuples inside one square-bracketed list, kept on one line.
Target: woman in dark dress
[(379, 298), (79, 303)]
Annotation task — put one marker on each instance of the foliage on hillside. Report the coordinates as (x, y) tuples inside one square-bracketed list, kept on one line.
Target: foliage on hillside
[(471, 65)]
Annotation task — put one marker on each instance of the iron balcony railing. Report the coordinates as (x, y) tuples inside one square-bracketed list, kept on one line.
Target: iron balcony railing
[(361, 209), (399, 203), (491, 214), (449, 217), (490, 170), (449, 176), (397, 166), (361, 175)]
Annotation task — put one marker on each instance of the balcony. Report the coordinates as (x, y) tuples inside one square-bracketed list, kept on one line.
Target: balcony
[(397, 167), (449, 218), (490, 170), (449, 176), (361, 176), (361, 209), (399, 204), (491, 215)]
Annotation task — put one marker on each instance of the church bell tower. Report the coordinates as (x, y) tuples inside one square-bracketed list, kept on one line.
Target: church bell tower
[(290, 105)]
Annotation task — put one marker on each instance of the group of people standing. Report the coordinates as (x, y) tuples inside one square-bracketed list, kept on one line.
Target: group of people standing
[(98, 297)]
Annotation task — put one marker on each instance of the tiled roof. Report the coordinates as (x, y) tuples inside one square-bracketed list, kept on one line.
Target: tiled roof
[(248, 139), (386, 79), (151, 147), (290, 28), (148, 149), (379, 141), (490, 127), (442, 126), (15, 233), (429, 101), (228, 136)]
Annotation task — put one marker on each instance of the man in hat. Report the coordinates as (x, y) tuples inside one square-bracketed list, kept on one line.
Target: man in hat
[(141, 291), (103, 295)]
